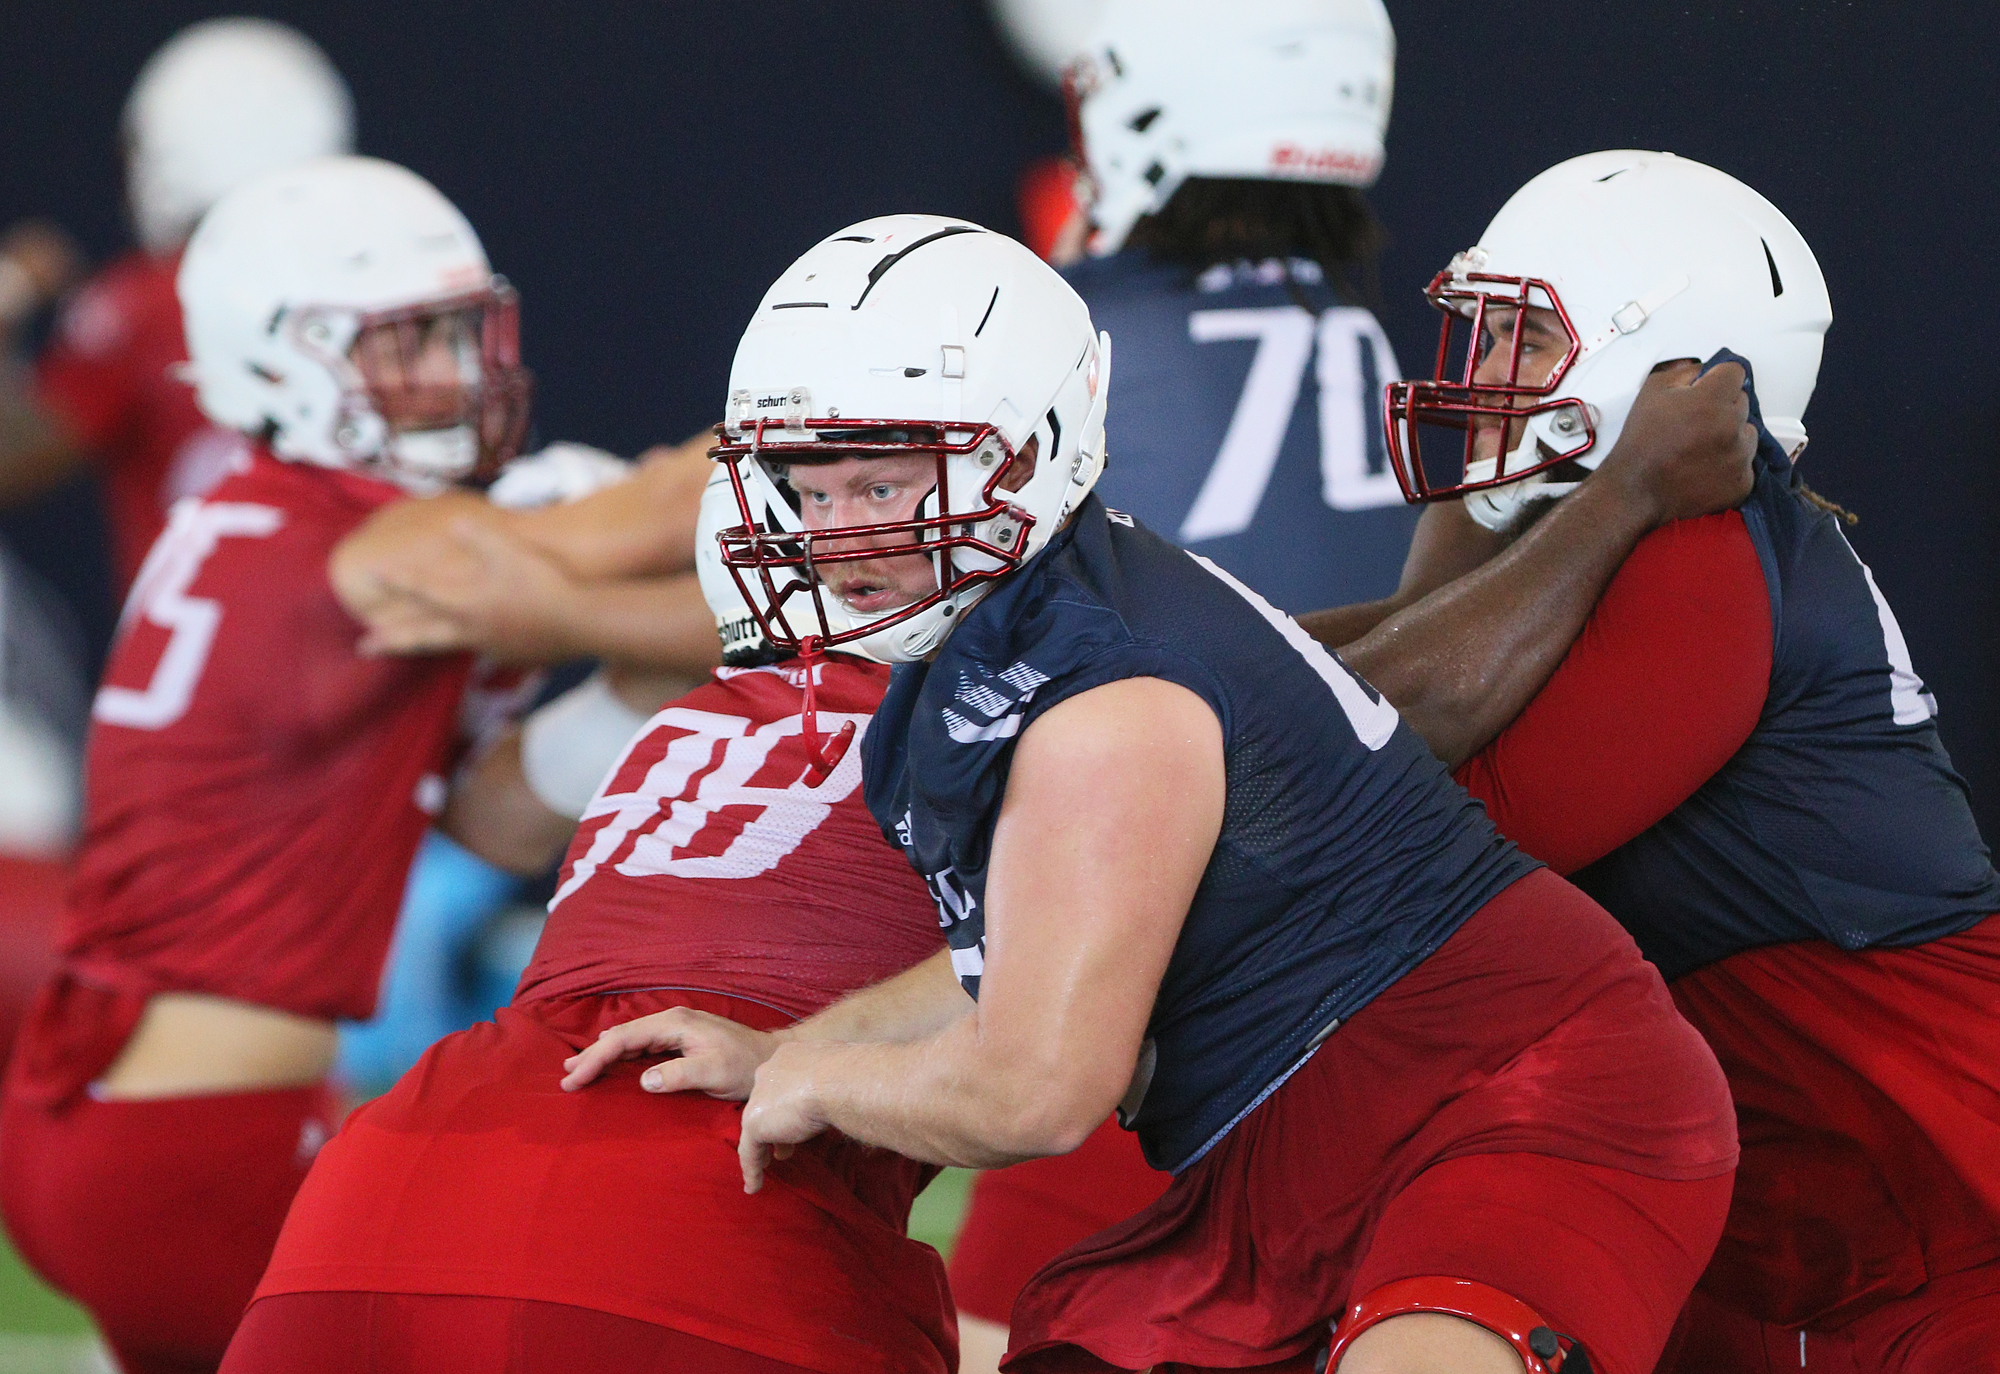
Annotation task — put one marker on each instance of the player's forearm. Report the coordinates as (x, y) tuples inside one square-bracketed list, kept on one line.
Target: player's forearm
[(395, 542), (494, 813), (1446, 545), (920, 1001), (659, 623), (642, 527), (948, 1100), (1466, 659)]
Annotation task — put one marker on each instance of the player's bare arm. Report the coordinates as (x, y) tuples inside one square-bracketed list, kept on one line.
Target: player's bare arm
[(1038, 1062), (1112, 810), (602, 576), (1465, 659), (505, 805), (38, 449)]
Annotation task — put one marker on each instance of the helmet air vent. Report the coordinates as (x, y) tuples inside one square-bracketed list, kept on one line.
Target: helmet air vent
[(989, 313), (1143, 120), (1777, 282), (876, 272)]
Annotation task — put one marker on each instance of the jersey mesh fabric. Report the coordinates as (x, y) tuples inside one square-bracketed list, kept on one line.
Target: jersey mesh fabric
[(1341, 864), (254, 796), (1249, 423), (706, 860), (109, 375)]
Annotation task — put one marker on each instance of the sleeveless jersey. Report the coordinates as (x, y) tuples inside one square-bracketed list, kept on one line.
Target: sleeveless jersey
[(1249, 426), (1347, 855), (1841, 818), (109, 373), (256, 788), (705, 861)]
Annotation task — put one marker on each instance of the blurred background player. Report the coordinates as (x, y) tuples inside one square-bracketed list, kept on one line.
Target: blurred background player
[(1226, 149), (1738, 760), (257, 786), (475, 1217), (225, 101)]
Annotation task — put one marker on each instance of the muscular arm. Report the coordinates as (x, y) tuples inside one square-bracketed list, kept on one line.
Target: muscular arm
[(1663, 686), (604, 577), (1447, 544), (1114, 802), (641, 527), (494, 811), (1463, 661)]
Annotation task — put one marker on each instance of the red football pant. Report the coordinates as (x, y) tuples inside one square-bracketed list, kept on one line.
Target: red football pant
[(1949, 1326), (158, 1216), (1023, 1216), (420, 1333)]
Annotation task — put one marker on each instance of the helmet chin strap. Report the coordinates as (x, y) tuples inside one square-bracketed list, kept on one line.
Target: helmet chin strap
[(823, 754)]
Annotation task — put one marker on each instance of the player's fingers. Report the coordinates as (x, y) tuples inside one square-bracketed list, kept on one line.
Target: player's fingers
[(613, 1045), (1726, 376), (754, 1156)]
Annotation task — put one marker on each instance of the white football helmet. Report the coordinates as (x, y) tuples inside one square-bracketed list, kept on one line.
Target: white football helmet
[(910, 334), (282, 277), (743, 641), (1282, 90), (1644, 258), (224, 102), (1047, 35)]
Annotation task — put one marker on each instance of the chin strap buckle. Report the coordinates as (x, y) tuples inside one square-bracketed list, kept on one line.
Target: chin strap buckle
[(823, 754), (1541, 1348)]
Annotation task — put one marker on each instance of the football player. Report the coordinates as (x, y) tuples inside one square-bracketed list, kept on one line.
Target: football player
[(477, 1218), (1739, 761), (1386, 1056), (1228, 149), (225, 101), (256, 786)]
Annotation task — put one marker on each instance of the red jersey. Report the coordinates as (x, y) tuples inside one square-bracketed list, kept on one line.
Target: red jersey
[(256, 787), (109, 373), (713, 788)]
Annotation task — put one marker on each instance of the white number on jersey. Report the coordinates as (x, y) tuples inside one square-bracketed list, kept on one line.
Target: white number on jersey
[(1285, 335), (159, 597), (671, 805)]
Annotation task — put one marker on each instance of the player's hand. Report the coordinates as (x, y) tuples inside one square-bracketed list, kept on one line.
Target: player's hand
[(486, 591), (1686, 447), (716, 1055), (783, 1111), (40, 262)]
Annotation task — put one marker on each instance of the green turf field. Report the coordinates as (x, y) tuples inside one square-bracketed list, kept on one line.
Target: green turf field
[(42, 1332)]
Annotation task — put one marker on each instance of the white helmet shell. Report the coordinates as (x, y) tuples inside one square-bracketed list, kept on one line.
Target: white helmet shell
[(743, 641), (224, 102), (279, 280), (1047, 35), (939, 325), (1653, 257), (1285, 90)]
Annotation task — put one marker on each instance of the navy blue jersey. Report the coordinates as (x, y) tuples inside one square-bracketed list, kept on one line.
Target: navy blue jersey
[(1347, 854), (1841, 818), (1248, 428)]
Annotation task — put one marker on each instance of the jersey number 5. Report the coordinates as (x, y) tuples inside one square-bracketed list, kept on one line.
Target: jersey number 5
[(160, 597), (1285, 338)]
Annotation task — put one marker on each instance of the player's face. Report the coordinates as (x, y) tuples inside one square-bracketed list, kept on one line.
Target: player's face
[(1542, 343), (420, 371), (869, 491)]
